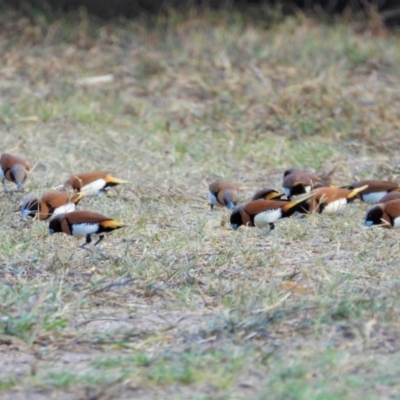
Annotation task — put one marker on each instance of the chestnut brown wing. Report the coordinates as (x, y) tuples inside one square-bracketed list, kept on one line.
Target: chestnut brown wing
[(219, 186), (259, 206), (79, 180), (81, 217), (55, 198), (375, 185), (392, 208)]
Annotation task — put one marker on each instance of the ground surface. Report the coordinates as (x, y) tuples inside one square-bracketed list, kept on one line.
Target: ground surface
[(177, 305)]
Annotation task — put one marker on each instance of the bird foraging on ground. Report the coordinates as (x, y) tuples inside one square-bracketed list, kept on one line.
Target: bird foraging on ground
[(223, 194), (386, 215), (267, 194), (50, 204), (263, 213), (13, 169), (297, 182), (84, 224), (92, 183), (375, 190), (329, 200)]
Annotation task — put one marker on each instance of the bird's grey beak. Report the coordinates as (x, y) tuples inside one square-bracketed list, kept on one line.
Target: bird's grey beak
[(51, 231), (24, 212), (234, 226), (288, 192), (368, 223), (230, 205)]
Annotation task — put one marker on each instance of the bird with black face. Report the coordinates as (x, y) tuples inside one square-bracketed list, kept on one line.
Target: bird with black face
[(264, 213), (296, 182), (84, 224), (223, 194), (386, 215), (50, 204), (13, 169)]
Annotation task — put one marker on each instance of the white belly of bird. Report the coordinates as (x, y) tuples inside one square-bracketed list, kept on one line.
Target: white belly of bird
[(263, 219), (64, 209), (396, 222), (335, 206), (94, 188), (212, 198), (374, 197), (84, 229), (307, 189)]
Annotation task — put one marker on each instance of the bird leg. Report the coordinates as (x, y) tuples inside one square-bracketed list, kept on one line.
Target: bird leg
[(271, 228), (100, 239), (88, 240)]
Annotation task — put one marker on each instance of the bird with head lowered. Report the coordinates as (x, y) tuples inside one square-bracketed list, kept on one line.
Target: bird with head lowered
[(296, 182), (50, 204), (223, 194), (13, 169), (84, 224), (386, 215), (264, 213)]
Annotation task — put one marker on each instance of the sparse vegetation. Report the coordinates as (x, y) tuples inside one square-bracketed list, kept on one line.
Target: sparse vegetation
[(178, 305)]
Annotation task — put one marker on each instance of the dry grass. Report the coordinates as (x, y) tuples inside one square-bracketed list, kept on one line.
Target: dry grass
[(178, 305)]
